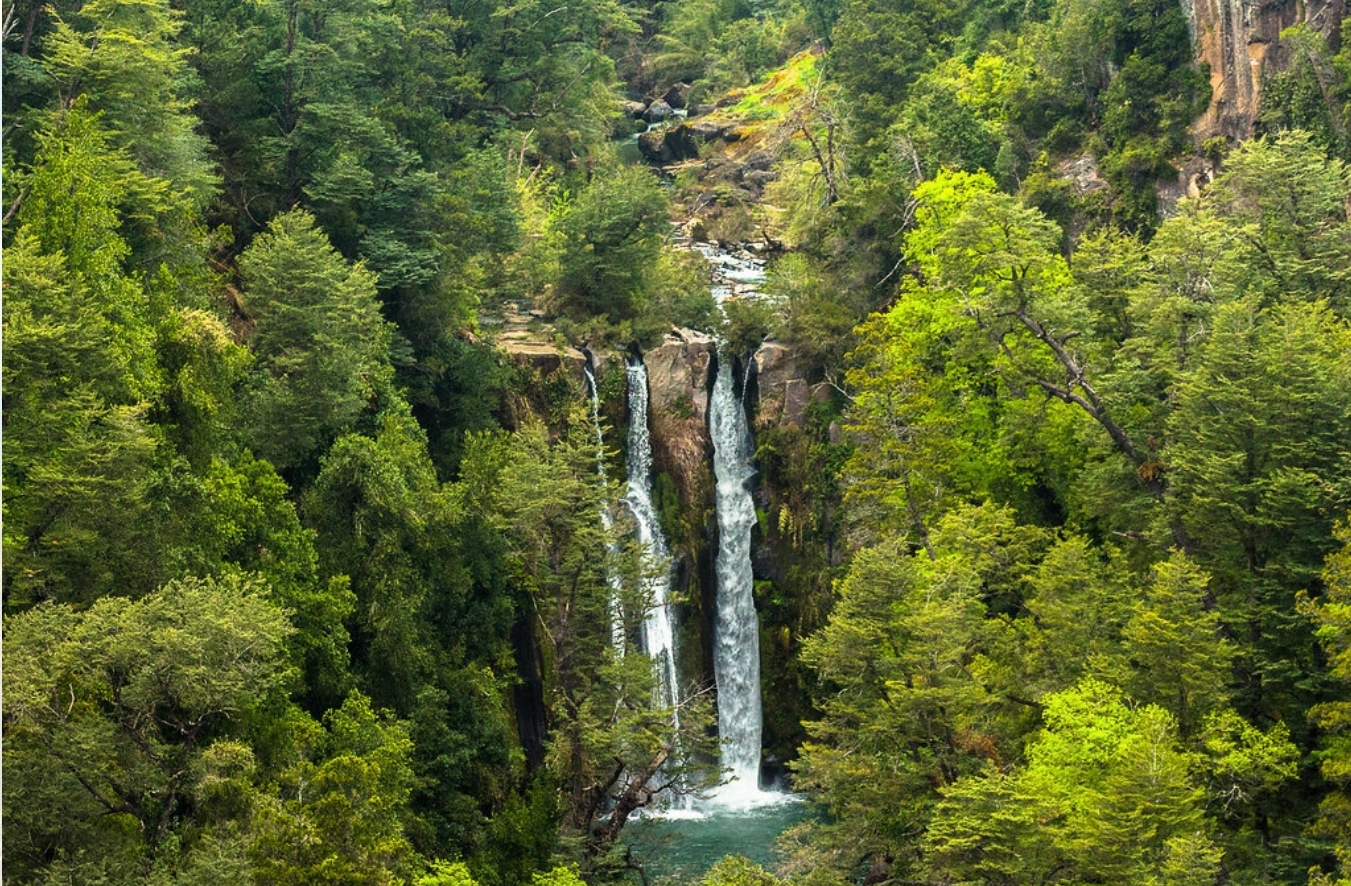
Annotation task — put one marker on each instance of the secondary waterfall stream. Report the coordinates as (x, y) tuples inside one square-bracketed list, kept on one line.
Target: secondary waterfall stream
[(606, 518), (658, 628)]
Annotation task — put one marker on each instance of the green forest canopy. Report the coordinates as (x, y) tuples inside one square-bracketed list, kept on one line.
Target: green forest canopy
[(305, 583)]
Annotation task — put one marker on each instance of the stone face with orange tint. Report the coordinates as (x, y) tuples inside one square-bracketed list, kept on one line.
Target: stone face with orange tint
[(1241, 42)]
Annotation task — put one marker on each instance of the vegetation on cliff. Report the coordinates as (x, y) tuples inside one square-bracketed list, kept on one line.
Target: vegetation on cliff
[(305, 582)]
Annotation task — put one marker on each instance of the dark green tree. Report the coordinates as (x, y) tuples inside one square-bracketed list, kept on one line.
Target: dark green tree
[(321, 344)]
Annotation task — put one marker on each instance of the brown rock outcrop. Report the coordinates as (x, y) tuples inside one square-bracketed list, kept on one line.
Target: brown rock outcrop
[(529, 343), (783, 393), (543, 357), (1240, 41), (677, 380)]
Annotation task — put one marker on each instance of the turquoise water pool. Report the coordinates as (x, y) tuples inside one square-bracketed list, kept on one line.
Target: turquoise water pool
[(677, 849)]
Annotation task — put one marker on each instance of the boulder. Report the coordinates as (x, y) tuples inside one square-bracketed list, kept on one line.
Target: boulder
[(718, 168), (658, 111), (634, 109), (760, 177), (679, 142), (1194, 176), (775, 364), (759, 160), (677, 373), (687, 139), (654, 148), (704, 130), (677, 95), (700, 110)]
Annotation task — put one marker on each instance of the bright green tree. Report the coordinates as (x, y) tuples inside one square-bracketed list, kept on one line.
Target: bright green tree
[(114, 714), (1332, 615), (125, 56), (1179, 658), (1107, 795), (906, 706), (80, 374), (340, 817)]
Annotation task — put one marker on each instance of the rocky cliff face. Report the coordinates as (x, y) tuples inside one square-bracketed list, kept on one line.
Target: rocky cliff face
[(782, 392), (1240, 41), (677, 377)]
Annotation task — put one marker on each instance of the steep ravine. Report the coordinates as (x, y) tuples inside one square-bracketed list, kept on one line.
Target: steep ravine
[(783, 409)]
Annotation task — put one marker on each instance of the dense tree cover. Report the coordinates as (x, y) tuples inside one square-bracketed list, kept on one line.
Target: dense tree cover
[(305, 583), (263, 570), (1088, 496)]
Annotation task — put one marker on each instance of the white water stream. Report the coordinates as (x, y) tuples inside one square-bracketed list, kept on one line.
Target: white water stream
[(658, 627), (736, 631), (607, 520)]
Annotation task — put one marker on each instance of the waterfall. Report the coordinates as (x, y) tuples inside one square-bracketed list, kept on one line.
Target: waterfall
[(658, 634), (606, 519), (736, 629), (736, 634), (658, 626)]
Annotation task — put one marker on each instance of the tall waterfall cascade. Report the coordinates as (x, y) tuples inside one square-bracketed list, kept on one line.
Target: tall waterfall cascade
[(736, 631)]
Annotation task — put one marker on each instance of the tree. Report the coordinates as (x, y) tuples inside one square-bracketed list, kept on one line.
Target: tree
[(322, 347), (1257, 468), (1077, 602), (340, 818), (612, 233), (737, 870), (125, 56), (1332, 616), (1107, 795), (1179, 658), (1294, 199), (80, 371), (878, 50), (431, 618), (113, 714), (906, 707)]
